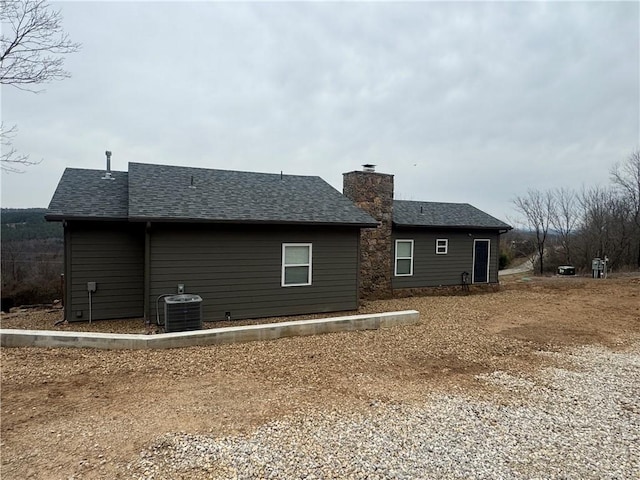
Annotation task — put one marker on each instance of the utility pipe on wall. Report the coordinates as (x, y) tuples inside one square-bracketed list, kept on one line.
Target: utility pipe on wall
[(91, 287)]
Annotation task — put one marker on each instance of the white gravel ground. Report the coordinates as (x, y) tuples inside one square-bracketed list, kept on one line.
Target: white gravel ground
[(580, 422)]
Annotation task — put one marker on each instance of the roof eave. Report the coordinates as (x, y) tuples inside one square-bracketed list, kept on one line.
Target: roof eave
[(453, 227), (57, 217), (250, 222)]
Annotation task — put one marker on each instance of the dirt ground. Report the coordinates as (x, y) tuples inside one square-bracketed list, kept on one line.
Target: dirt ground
[(80, 413)]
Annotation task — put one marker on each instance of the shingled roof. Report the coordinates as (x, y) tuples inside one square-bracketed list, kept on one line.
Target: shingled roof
[(85, 194), (161, 192), (448, 215), (169, 193)]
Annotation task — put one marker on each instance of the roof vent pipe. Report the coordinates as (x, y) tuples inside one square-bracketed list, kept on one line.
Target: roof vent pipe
[(107, 174), (368, 167)]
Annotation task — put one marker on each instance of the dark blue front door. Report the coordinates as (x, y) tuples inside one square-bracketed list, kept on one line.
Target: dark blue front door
[(480, 261)]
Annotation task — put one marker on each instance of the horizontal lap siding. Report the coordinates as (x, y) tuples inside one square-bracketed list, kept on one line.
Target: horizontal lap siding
[(112, 255), (431, 270), (237, 269)]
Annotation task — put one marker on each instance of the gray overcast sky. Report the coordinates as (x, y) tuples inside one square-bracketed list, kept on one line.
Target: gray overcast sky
[(462, 102)]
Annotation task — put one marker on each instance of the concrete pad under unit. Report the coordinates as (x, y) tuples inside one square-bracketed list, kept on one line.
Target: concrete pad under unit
[(214, 336)]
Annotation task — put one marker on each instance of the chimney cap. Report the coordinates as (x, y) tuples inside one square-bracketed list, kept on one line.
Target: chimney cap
[(369, 167)]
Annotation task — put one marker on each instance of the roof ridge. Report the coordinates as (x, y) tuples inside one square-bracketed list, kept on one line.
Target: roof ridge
[(432, 201), (208, 169), (98, 170)]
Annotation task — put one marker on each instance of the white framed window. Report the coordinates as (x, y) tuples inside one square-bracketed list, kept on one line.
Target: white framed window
[(404, 258), (442, 246), (296, 264)]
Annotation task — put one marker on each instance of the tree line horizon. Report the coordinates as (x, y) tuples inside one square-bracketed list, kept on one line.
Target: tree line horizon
[(571, 227)]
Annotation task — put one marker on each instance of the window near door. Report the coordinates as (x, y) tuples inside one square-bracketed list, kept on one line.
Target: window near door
[(404, 258), (296, 264), (442, 246)]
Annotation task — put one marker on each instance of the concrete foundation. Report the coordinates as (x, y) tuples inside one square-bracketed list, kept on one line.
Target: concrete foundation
[(216, 336)]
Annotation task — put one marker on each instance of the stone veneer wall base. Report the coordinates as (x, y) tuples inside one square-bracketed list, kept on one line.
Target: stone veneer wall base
[(446, 290)]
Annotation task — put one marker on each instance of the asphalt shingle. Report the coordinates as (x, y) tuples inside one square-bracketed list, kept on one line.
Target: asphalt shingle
[(162, 192), (85, 194), (168, 193), (437, 214)]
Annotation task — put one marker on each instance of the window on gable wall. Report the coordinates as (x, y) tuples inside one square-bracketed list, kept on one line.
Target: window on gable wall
[(442, 246), (296, 264), (404, 258)]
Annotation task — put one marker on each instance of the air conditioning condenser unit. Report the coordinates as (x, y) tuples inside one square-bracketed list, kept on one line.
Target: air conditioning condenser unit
[(182, 313)]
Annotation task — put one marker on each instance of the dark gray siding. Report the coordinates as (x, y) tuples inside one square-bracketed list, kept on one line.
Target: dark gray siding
[(431, 270), (237, 269), (112, 255), (67, 271)]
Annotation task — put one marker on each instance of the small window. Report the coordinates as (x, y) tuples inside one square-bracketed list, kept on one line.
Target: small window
[(296, 264), (442, 246), (404, 258)]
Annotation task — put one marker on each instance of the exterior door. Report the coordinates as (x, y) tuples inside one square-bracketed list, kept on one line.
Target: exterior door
[(481, 250)]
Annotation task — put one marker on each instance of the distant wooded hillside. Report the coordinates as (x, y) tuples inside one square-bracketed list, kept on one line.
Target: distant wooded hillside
[(32, 256), (28, 224)]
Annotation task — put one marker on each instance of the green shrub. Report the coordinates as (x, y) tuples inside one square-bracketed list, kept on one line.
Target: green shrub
[(503, 261)]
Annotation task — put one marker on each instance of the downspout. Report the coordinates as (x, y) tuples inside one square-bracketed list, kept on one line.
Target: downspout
[(497, 265), (147, 273), (359, 239), (67, 271)]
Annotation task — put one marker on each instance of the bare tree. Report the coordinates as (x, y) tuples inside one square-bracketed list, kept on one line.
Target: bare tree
[(564, 218), (606, 228), (32, 49), (538, 209), (600, 221), (519, 241), (593, 202), (626, 177)]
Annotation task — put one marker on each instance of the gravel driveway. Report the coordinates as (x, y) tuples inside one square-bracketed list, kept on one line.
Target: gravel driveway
[(581, 421)]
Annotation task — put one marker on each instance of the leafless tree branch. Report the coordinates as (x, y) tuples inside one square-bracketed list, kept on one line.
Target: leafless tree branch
[(10, 160), (626, 177), (32, 49), (564, 218), (538, 209), (599, 221), (32, 45)]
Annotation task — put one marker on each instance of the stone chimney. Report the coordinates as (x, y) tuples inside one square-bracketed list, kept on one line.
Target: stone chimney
[(373, 193)]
